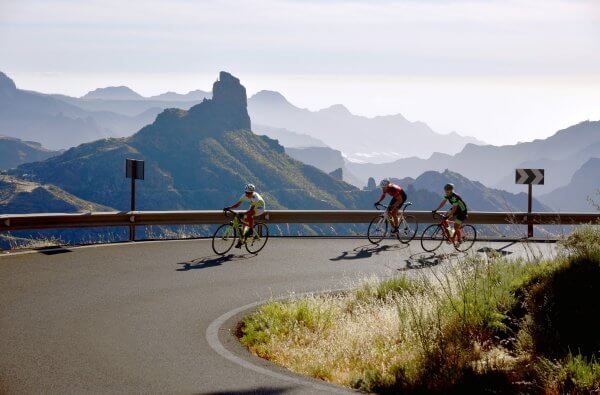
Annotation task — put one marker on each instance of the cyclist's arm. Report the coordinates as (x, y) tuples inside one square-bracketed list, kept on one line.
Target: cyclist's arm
[(235, 205), (381, 198), (442, 204), (452, 210)]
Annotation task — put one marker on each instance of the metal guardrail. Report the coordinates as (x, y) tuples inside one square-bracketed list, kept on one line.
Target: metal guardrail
[(143, 218)]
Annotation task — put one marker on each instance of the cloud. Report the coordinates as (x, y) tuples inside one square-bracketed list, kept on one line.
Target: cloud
[(403, 37)]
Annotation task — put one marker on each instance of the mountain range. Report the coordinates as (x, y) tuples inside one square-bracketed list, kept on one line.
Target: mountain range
[(57, 124), (195, 159), (561, 155), (377, 139), (118, 111)]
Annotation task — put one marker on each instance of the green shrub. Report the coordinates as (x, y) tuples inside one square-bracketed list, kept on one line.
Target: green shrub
[(564, 306)]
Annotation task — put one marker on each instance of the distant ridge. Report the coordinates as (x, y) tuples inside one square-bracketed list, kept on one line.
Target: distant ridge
[(113, 93)]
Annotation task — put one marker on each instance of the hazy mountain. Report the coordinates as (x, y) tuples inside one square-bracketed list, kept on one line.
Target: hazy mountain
[(196, 159), (113, 93), (14, 152), (56, 123), (192, 96), (325, 159), (477, 196), (562, 153), (19, 196), (287, 138), (584, 184), (374, 139)]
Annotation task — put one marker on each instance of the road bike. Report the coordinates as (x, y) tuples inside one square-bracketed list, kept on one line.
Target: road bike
[(407, 225), (225, 236), (434, 235)]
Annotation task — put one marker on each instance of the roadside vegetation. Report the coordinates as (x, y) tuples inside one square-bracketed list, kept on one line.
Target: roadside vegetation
[(485, 324)]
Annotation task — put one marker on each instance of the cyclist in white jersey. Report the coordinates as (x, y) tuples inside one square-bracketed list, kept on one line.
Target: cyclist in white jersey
[(257, 207)]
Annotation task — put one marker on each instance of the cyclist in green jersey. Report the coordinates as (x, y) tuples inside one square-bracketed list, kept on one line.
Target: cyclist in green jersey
[(458, 209), (257, 207)]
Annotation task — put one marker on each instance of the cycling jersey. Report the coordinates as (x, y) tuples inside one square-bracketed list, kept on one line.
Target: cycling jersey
[(456, 200), (393, 190), (256, 201)]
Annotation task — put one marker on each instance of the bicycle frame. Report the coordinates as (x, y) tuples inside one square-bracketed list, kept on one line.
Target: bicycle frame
[(445, 224), (388, 215)]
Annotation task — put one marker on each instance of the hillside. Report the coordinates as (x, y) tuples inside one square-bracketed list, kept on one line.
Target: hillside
[(325, 159), (14, 152), (19, 196), (584, 184), (376, 139), (195, 159)]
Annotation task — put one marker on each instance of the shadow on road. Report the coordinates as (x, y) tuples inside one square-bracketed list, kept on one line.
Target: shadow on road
[(254, 391), (500, 250), (367, 251), (212, 261)]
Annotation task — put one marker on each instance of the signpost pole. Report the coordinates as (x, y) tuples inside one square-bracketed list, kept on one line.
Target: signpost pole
[(134, 169), (132, 227), (529, 218)]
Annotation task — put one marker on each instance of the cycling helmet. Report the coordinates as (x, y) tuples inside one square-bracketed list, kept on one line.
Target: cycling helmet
[(249, 188), (384, 183), (449, 187)]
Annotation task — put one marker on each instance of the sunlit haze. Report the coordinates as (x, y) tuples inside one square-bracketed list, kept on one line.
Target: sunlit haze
[(501, 71)]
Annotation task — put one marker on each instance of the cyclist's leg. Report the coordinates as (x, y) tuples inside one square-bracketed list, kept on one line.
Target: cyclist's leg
[(393, 210), (458, 227), (250, 220)]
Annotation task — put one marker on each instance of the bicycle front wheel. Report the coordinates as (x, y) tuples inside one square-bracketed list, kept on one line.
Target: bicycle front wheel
[(469, 236), (432, 238), (223, 239), (377, 229), (259, 240), (407, 229)]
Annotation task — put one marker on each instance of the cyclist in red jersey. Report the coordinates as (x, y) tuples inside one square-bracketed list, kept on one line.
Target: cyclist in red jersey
[(398, 198)]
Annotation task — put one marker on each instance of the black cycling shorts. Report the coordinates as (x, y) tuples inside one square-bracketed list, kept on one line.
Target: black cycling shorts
[(461, 216), (395, 200)]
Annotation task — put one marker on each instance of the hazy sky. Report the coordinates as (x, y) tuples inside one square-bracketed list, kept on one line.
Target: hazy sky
[(502, 71)]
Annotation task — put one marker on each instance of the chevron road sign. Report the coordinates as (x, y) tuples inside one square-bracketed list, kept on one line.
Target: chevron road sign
[(529, 176)]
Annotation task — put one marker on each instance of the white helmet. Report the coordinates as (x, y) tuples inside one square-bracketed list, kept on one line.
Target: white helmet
[(250, 188), (384, 183)]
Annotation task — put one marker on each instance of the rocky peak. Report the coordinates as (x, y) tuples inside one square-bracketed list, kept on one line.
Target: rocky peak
[(228, 91), (7, 86)]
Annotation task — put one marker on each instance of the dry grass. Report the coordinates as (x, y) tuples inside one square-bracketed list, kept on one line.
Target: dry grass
[(464, 327)]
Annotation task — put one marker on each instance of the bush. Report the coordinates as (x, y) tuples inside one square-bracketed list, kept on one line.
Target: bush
[(564, 306)]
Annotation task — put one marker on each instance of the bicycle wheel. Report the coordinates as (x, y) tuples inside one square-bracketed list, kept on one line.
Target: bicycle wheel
[(223, 239), (258, 242), (432, 238), (377, 229), (407, 229), (469, 236)]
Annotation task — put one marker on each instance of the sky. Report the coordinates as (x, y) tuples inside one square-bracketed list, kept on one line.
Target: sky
[(501, 71)]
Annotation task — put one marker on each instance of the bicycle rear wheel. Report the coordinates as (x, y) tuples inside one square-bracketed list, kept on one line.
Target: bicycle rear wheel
[(469, 236), (377, 229), (407, 229), (432, 238), (223, 239), (259, 240)]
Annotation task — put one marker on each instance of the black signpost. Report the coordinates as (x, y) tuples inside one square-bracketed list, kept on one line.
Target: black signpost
[(529, 177), (134, 169)]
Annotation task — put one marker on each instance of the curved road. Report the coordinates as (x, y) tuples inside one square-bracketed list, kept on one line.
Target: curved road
[(134, 317)]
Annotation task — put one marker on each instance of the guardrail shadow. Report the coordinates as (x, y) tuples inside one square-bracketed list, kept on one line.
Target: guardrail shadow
[(212, 261), (367, 251), (254, 391)]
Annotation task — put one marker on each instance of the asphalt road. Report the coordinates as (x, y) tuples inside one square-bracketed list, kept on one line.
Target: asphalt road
[(134, 317)]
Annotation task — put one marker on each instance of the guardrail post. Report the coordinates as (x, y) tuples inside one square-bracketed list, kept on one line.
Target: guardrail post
[(132, 228), (529, 217)]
